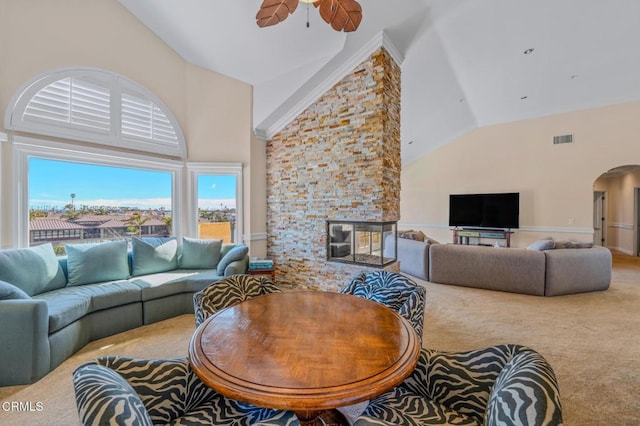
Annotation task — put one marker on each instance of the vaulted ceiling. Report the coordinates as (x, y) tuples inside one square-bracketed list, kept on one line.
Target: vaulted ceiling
[(465, 63)]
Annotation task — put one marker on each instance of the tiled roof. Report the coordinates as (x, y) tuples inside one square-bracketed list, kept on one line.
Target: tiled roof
[(52, 224)]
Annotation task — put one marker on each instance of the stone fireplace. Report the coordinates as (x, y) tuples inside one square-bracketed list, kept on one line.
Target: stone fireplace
[(339, 159)]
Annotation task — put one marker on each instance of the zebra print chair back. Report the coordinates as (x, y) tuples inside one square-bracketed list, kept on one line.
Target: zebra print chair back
[(115, 391), (228, 292), (393, 290), (499, 385)]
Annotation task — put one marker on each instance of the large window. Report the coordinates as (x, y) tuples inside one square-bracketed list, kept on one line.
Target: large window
[(215, 199), (90, 195), (72, 202), (75, 192)]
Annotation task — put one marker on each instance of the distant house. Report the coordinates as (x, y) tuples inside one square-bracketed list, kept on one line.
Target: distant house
[(91, 227)]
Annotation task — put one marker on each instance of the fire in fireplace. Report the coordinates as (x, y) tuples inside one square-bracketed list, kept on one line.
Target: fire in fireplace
[(362, 243)]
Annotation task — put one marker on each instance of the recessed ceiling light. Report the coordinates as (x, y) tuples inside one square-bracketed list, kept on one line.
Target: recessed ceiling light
[(528, 51)]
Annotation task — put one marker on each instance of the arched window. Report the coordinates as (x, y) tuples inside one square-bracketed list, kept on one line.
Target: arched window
[(99, 106)]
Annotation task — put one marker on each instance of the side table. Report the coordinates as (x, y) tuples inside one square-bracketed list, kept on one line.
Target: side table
[(271, 272)]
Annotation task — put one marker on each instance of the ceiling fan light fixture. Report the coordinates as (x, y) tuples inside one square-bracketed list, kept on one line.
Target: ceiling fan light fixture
[(342, 15)]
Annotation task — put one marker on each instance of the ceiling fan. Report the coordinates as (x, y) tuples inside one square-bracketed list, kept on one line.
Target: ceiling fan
[(342, 15)]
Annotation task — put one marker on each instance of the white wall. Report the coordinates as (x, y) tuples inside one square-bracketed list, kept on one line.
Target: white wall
[(555, 182), (214, 111)]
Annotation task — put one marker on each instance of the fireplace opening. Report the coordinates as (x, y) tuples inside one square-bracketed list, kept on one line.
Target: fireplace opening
[(362, 243)]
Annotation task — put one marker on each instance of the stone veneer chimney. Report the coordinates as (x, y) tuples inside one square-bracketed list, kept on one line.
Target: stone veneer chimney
[(339, 159)]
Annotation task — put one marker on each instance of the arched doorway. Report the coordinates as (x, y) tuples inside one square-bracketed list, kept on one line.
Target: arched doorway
[(616, 209)]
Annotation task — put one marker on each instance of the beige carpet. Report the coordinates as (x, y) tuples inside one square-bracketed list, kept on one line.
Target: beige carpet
[(591, 340)]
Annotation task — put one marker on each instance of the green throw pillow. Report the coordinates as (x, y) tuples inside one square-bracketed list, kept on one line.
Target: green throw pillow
[(9, 291), (97, 262), (199, 254), (236, 253), (152, 255), (34, 270)]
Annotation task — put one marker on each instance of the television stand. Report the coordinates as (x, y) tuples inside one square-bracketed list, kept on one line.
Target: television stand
[(462, 236)]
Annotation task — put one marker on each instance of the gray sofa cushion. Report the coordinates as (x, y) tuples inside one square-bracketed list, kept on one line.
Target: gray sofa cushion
[(513, 270), (413, 256), (577, 270), (97, 262), (33, 270)]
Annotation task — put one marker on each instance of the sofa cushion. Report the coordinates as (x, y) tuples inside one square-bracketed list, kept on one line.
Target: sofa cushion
[(34, 270), (97, 262), (236, 253), (155, 286), (506, 269), (65, 306), (199, 253), (10, 291), (152, 255)]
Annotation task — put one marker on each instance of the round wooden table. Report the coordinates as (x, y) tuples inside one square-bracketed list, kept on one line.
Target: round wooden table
[(306, 351)]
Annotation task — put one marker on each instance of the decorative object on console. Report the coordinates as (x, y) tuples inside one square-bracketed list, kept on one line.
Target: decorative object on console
[(342, 15)]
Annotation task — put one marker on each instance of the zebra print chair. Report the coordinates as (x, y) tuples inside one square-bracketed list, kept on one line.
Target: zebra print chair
[(499, 385), (115, 391), (393, 290), (228, 292)]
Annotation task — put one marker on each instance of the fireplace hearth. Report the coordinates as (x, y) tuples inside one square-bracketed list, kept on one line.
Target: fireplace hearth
[(362, 243)]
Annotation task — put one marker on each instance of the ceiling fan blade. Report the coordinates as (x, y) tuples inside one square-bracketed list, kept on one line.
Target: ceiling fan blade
[(342, 15), (275, 11)]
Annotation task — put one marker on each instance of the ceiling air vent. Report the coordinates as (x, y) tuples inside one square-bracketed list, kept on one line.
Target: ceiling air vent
[(562, 139)]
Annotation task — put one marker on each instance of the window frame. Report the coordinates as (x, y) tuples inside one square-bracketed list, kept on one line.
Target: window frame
[(196, 169), (117, 85), (25, 148)]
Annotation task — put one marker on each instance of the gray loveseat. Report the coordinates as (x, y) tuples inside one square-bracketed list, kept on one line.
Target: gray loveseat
[(51, 307)]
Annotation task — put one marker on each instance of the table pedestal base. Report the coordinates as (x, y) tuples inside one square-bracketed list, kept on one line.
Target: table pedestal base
[(322, 418)]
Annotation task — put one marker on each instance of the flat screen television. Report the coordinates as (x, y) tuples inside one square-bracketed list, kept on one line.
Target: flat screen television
[(485, 210)]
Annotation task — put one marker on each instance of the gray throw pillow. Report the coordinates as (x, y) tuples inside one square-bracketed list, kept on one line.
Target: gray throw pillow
[(152, 255), (236, 253), (9, 291), (542, 245), (199, 253), (97, 262)]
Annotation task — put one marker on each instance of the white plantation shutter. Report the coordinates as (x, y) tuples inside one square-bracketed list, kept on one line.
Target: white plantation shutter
[(73, 101), (142, 118), (94, 105)]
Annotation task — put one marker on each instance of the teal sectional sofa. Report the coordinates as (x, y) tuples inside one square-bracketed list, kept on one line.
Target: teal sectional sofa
[(51, 307)]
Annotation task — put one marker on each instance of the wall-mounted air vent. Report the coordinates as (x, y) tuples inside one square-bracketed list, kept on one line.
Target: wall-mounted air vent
[(562, 139)]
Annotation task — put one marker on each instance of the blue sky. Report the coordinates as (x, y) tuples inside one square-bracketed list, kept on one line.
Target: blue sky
[(51, 184)]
